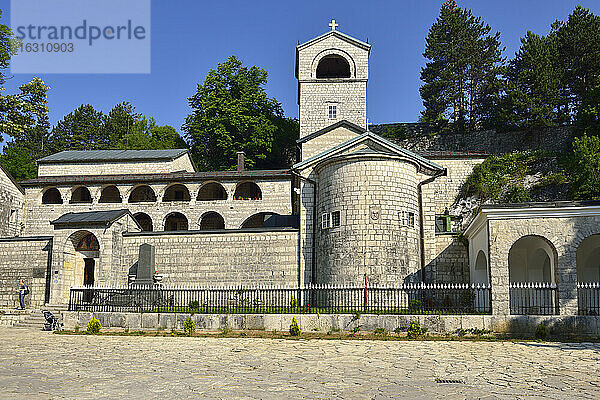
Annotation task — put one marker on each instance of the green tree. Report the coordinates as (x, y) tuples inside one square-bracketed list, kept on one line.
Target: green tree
[(120, 123), (533, 85), (461, 78), (24, 117), (584, 168), (82, 129), (231, 112), (578, 42), (8, 45)]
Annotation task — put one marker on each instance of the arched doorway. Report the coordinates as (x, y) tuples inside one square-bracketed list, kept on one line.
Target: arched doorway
[(80, 263), (480, 274), (176, 222), (532, 262), (588, 275), (211, 220), (588, 260)]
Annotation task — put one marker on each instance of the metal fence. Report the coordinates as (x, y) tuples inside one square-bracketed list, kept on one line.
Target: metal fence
[(325, 299), (588, 298), (533, 298)]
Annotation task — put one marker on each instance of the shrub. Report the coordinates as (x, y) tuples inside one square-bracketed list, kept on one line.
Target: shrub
[(415, 331), (194, 305), (415, 306), (294, 328), (189, 326), (516, 194), (380, 331), (541, 332), (584, 168), (94, 326)]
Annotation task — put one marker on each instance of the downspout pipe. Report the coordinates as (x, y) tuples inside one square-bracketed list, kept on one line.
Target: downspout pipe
[(313, 258), (420, 185)]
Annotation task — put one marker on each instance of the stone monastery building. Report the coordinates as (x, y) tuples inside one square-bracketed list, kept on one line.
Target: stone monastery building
[(354, 205)]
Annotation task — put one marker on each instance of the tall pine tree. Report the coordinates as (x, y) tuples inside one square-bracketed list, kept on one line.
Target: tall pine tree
[(461, 78)]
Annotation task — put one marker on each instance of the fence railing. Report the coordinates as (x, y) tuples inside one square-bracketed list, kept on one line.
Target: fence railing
[(588, 298), (406, 299), (533, 298)]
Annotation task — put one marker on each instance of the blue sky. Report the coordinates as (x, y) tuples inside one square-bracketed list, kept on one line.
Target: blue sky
[(190, 37)]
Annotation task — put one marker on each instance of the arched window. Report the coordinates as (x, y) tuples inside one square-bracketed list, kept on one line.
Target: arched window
[(52, 196), (333, 66), (212, 220), (177, 192), (142, 194), (481, 268), (588, 260), (110, 194), (145, 221), (176, 222), (81, 195), (247, 191), (212, 191)]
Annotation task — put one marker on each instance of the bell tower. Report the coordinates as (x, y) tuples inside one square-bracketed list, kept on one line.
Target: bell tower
[(332, 72)]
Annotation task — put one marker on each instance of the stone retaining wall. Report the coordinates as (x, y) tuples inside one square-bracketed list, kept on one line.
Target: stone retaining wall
[(559, 325)]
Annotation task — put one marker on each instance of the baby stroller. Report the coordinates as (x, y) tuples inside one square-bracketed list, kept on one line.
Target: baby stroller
[(52, 323)]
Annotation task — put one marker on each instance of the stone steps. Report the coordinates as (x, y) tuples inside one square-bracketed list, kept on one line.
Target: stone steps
[(35, 319)]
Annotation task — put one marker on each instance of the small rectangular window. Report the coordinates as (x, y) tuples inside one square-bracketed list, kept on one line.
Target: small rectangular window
[(447, 224), (332, 110), (335, 219), (13, 215), (325, 220), (407, 219)]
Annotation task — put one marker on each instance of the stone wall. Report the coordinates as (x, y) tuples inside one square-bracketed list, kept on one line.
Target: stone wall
[(11, 206), (563, 234), (511, 324), (232, 258), (326, 141), (276, 197), (446, 259), (26, 258), (182, 163), (422, 138), (370, 194)]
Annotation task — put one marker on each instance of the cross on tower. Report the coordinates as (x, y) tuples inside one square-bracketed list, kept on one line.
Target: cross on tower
[(333, 25)]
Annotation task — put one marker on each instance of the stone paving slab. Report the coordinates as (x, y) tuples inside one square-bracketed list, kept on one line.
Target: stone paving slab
[(40, 365)]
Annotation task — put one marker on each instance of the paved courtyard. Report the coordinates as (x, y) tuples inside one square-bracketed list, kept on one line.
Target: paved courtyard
[(41, 365)]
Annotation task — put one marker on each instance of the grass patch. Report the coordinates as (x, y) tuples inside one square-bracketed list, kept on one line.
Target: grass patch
[(399, 335)]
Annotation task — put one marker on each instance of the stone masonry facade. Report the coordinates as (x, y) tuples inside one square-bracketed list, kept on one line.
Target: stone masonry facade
[(219, 259), (28, 259), (348, 94)]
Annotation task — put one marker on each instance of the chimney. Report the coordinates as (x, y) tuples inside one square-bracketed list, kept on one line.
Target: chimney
[(240, 161)]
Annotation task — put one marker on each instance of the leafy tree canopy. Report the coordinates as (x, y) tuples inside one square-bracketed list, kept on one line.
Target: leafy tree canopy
[(584, 168), (231, 112)]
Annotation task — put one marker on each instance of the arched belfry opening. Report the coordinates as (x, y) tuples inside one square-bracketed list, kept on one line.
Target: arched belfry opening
[(333, 66)]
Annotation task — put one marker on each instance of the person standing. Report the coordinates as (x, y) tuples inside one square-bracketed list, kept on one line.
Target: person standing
[(22, 292)]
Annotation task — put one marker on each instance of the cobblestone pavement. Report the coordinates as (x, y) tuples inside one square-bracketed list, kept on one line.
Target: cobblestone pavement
[(46, 366)]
